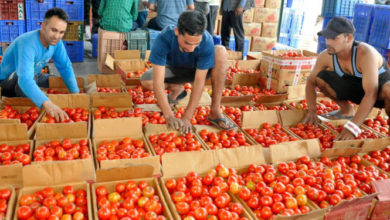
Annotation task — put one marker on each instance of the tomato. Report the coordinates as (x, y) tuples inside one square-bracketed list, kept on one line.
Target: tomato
[(266, 200), (101, 191), (105, 213), (24, 212), (244, 193), (70, 208), (277, 207), (335, 199), (42, 212), (266, 212), (301, 199), (200, 213), (291, 203)]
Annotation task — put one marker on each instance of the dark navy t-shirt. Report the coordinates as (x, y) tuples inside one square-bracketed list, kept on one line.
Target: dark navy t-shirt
[(165, 50)]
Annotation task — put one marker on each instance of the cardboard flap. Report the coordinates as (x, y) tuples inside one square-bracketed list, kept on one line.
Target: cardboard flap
[(233, 55), (17, 101), (91, 88), (117, 100), (271, 98), (149, 107), (11, 175), (10, 121), (153, 161), (124, 173), (237, 99), (13, 132), (245, 79), (203, 161), (58, 82), (109, 61), (70, 100), (118, 127), (316, 214), (131, 65), (382, 187), (58, 172), (150, 129), (254, 119), (106, 80), (205, 99), (127, 54), (48, 131), (208, 128), (291, 151), (375, 144), (291, 117), (248, 64), (296, 92), (335, 152)]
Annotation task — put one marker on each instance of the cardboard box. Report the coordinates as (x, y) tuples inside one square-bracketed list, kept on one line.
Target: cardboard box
[(262, 43), (247, 17), (260, 3), (112, 81), (273, 3), (56, 175), (279, 72), (202, 162), (269, 30), (252, 29), (13, 134), (234, 55), (57, 84), (270, 15), (111, 177), (117, 129), (124, 67), (119, 101), (382, 205), (121, 55)]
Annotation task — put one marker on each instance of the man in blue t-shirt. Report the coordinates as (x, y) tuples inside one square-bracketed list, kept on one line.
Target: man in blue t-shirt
[(182, 54), (20, 70)]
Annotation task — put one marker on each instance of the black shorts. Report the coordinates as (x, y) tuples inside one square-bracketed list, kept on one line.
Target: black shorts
[(348, 87), (175, 75)]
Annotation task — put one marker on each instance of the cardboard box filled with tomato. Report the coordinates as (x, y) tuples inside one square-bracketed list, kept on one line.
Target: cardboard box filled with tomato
[(104, 83)]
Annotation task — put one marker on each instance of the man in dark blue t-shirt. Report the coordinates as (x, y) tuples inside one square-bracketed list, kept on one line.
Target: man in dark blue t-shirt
[(182, 54)]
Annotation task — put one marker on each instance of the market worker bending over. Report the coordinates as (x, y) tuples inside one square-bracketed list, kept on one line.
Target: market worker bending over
[(182, 54), (20, 70), (348, 71)]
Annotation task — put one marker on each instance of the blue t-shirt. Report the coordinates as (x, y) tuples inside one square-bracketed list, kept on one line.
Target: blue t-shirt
[(27, 56), (165, 50), (168, 11)]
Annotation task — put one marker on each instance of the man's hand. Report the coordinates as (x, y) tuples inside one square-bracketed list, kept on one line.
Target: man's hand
[(345, 134), (174, 122), (311, 118), (186, 126), (239, 11), (54, 111)]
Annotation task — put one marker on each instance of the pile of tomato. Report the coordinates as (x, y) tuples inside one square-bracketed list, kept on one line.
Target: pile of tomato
[(53, 91), (172, 142), (306, 131), (269, 134), (280, 107), (64, 150), (235, 113), (137, 73), (130, 200), (108, 90), (147, 116), (75, 115), (142, 96), (291, 54), (5, 195), (28, 117), (380, 159), (199, 117), (187, 194), (223, 139), (364, 135), (127, 148), (379, 124), (235, 70), (70, 204), (10, 154)]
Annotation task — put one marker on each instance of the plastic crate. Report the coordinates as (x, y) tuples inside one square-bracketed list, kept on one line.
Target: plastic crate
[(36, 9), (11, 9), (33, 24), (94, 45), (232, 45), (11, 29), (74, 8), (321, 46), (152, 36), (380, 28), (137, 40), (75, 50), (331, 8), (74, 31), (362, 19), (217, 40)]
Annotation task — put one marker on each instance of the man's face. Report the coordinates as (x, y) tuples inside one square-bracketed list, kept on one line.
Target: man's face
[(336, 45), (188, 43), (53, 30)]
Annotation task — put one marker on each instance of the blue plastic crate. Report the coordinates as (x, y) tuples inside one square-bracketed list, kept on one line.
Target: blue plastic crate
[(362, 20), (74, 8), (380, 28), (320, 47), (331, 8), (75, 50), (152, 36), (36, 9), (33, 24), (232, 45), (94, 45), (11, 29), (217, 40)]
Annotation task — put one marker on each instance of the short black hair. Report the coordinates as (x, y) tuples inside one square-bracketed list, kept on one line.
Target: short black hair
[(192, 23), (59, 12)]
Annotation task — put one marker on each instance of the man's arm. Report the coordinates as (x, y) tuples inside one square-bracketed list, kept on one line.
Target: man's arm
[(199, 81), (64, 66), (159, 90)]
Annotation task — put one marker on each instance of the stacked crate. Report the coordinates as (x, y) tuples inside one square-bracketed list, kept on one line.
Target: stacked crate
[(265, 19), (12, 23), (379, 35)]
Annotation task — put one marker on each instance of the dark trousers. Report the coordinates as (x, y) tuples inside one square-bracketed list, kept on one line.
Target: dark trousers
[(142, 15), (152, 24), (230, 20), (95, 17), (211, 16), (10, 87)]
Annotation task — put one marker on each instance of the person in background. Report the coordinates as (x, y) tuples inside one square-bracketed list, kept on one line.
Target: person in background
[(186, 53), (202, 6), (212, 16), (95, 17), (142, 12), (168, 12), (232, 11), (20, 70), (118, 15)]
